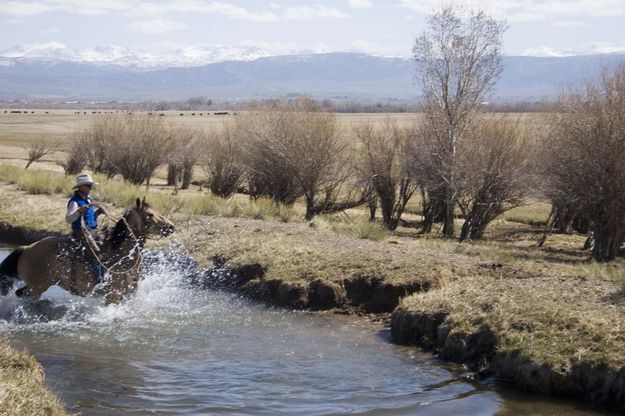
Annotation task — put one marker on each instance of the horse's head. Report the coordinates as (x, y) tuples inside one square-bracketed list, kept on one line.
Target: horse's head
[(147, 221)]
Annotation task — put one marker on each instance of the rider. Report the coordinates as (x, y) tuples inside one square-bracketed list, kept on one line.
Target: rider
[(79, 205)]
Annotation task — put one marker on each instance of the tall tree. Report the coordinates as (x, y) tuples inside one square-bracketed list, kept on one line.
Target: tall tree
[(458, 62)]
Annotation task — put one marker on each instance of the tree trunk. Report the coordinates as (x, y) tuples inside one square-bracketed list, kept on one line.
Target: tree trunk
[(187, 176), (464, 231), (433, 210), (172, 174), (607, 242), (310, 208), (448, 225), (373, 207), (386, 206)]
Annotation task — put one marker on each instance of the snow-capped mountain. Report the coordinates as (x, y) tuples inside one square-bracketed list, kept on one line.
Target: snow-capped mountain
[(188, 56), (111, 73), (47, 50)]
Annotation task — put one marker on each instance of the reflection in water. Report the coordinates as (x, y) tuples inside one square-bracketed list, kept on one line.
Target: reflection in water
[(173, 349)]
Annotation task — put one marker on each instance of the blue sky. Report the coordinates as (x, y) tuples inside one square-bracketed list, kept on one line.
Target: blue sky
[(385, 27)]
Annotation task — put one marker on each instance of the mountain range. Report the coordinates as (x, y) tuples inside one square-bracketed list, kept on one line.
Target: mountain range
[(54, 71)]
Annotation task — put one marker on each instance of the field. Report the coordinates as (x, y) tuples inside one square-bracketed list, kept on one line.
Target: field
[(550, 308)]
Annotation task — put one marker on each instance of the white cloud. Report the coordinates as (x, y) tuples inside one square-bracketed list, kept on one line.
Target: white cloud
[(591, 48), (568, 24), (13, 21), (360, 4), (380, 49), (316, 11), (135, 8), (527, 10), (155, 26), (196, 6), (19, 8), (153, 9), (50, 30), (275, 48), (69, 6)]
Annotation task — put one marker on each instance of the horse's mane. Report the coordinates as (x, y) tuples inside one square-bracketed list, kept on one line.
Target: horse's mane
[(118, 234)]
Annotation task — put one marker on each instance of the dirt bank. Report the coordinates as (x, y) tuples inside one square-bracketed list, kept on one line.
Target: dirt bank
[(11, 234)]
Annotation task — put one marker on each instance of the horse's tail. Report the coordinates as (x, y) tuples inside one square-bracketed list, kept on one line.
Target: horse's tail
[(8, 270)]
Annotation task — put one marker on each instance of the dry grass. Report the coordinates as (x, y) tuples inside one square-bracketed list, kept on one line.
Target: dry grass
[(21, 386), (305, 251), (556, 321)]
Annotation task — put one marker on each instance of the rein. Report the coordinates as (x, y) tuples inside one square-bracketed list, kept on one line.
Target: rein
[(93, 247)]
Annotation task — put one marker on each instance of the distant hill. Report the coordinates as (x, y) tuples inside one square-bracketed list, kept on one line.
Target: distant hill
[(346, 75)]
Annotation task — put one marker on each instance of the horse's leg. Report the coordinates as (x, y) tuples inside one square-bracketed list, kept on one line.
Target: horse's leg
[(22, 291), (122, 285)]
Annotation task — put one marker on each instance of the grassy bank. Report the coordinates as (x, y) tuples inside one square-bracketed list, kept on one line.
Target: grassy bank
[(560, 335), (22, 391)]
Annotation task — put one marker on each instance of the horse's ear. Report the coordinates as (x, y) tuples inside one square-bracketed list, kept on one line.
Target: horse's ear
[(138, 203), (143, 204)]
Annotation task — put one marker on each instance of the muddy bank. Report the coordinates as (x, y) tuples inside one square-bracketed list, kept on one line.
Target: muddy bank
[(371, 295)]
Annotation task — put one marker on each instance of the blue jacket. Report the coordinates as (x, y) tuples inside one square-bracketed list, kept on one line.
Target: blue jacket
[(90, 218)]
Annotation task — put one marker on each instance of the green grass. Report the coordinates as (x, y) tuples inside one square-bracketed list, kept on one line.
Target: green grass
[(123, 194), (35, 181), (357, 227), (209, 204), (535, 213)]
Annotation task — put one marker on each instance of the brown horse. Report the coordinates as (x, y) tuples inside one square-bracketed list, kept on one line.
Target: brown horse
[(43, 264)]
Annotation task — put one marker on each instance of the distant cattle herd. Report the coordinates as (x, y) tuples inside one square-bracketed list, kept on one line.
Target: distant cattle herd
[(216, 113)]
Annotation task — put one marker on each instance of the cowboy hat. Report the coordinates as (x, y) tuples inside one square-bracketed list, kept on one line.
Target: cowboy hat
[(84, 179)]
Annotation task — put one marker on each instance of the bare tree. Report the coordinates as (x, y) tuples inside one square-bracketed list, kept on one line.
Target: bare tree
[(292, 149), (37, 150), (495, 173), (182, 158), (262, 132), (458, 62), (386, 161), (133, 146), (584, 159), (221, 160), (140, 148), (94, 147)]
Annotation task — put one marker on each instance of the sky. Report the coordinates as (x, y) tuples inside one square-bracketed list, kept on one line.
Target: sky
[(382, 27)]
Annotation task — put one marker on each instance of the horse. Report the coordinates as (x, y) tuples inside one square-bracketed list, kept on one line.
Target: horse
[(46, 262)]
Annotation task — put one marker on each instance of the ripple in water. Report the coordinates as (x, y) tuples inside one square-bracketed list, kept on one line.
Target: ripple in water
[(176, 349)]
